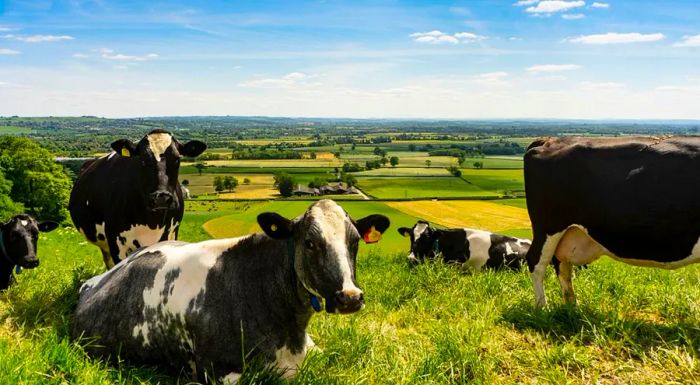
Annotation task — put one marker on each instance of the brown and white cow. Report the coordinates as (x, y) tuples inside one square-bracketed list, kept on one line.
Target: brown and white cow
[(635, 199)]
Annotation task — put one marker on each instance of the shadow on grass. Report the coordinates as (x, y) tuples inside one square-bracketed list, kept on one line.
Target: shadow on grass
[(589, 325)]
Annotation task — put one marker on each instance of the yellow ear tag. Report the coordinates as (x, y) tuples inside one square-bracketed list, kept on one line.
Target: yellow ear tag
[(125, 152), (273, 227), (372, 235)]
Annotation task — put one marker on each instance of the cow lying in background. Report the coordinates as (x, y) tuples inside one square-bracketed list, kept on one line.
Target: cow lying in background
[(636, 200), (131, 198), (205, 305), (18, 239), (476, 249)]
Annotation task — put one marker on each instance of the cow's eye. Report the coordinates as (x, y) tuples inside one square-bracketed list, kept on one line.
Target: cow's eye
[(309, 244)]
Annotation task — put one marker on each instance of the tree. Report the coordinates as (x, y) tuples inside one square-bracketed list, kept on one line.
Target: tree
[(200, 166), (246, 180), (317, 182), (219, 184), (394, 161), (348, 179), (478, 164), (454, 170), (379, 152), (37, 181), (285, 183), (337, 154), (384, 161), (353, 146), (230, 183), (8, 207), (428, 163), (411, 147), (312, 155)]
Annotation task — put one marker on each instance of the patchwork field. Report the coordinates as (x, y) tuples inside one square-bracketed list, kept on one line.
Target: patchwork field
[(260, 187), (423, 187)]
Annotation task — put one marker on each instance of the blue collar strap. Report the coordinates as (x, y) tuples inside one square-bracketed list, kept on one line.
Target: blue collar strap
[(315, 302)]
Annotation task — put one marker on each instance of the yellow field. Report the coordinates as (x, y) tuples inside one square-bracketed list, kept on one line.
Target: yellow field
[(260, 186), (264, 142), (325, 155), (474, 214)]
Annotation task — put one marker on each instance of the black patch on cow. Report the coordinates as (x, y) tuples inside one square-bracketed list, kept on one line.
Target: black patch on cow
[(122, 240), (168, 287), (101, 237), (137, 244), (499, 257)]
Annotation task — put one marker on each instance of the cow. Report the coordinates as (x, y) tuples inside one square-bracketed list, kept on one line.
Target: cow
[(475, 249), (635, 199), (18, 239), (207, 305), (131, 198)]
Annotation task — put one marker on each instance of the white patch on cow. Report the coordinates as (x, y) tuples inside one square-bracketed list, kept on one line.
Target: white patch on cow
[(144, 234), (171, 231), (99, 229), (110, 155), (231, 378), (418, 230), (509, 250), (479, 245), (24, 222), (537, 275), (158, 143), (288, 362), (331, 219), (194, 261), (522, 242)]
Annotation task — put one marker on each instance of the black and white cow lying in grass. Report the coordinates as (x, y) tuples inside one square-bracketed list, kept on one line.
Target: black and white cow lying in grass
[(18, 238), (204, 305), (476, 249)]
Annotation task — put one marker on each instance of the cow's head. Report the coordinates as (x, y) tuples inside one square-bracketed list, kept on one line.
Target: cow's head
[(18, 238), (159, 153), (423, 238), (324, 241)]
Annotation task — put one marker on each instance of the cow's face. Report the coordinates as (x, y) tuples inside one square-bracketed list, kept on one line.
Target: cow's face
[(325, 241), (159, 153), (422, 241), (19, 237)]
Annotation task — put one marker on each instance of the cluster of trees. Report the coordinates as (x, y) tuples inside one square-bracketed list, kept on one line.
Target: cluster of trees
[(227, 182), (31, 181), (454, 170)]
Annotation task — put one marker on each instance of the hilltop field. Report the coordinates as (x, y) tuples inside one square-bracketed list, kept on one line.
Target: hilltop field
[(431, 324)]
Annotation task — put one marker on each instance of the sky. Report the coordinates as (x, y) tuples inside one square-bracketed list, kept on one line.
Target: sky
[(477, 59)]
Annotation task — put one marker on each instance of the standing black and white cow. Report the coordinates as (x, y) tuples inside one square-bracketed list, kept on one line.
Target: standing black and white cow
[(18, 239), (205, 305), (131, 198), (636, 200), (476, 249)]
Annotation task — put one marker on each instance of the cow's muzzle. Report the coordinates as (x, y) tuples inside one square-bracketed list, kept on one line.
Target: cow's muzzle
[(29, 262), (161, 200), (348, 301)]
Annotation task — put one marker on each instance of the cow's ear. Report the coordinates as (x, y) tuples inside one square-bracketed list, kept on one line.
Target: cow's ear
[(47, 226), (275, 225), (193, 148), (372, 227), (124, 147), (405, 231)]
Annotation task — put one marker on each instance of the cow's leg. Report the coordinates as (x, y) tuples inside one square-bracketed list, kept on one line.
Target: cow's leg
[(107, 258), (112, 240), (564, 271), (539, 256)]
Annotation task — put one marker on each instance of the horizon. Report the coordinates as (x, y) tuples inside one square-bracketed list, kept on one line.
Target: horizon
[(524, 60)]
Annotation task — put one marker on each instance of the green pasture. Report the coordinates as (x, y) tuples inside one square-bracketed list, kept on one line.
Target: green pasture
[(12, 130), (423, 187), (495, 180)]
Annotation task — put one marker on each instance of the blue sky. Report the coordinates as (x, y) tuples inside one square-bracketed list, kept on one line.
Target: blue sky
[(474, 59)]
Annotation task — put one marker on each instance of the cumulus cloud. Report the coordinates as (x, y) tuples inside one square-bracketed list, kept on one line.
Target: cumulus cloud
[(109, 54), (7, 51), (617, 38), (573, 16), (553, 6), (287, 81), (689, 41), (600, 5), (38, 38), (525, 2), (549, 68), (439, 37)]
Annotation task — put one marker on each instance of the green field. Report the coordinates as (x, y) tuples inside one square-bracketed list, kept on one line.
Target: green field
[(495, 180), (427, 325), (12, 130), (423, 187)]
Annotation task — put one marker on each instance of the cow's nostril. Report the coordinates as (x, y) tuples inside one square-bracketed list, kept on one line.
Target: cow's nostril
[(361, 297)]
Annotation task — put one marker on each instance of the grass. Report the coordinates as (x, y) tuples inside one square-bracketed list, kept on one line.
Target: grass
[(425, 325), (11, 130), (424, 187), (495, 180)]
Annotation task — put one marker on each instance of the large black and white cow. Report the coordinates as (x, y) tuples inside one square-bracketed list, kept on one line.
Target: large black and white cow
[(18, 239), (131, 198), (475, 249), (205, 305), (636, 200)]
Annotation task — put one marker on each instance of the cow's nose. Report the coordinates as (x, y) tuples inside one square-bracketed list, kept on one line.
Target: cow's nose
[(30, 263), (161, 199), (349, 301)]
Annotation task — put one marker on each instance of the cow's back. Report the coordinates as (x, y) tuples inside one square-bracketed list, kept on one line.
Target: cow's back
[(636, 196)]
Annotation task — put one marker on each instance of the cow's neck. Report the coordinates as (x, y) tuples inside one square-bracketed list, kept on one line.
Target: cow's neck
[(5, 274)]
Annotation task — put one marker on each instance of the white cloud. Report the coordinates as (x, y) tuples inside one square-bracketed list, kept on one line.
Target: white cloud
[(573, 16), (109, 54), (689, 41), (6, 51), (80, 56), (287, 81), (552, 6), (600, 5), (601, 86), (548, 68), (38, 38), (617, 38), (525, 2), (5, 29), (515, 38), (439, 37), (492, 79)]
